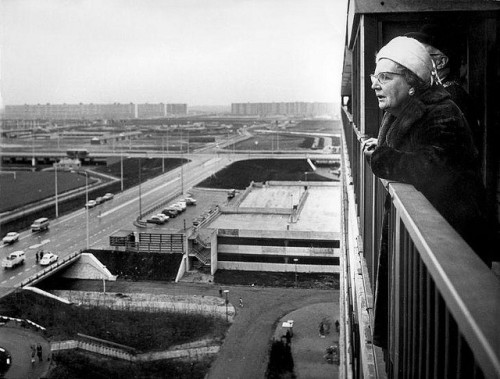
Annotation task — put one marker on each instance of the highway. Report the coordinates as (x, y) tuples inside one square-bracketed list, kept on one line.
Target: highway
[(68, 233)]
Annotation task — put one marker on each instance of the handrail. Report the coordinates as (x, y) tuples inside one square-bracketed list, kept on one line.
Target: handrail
[(469, 288)]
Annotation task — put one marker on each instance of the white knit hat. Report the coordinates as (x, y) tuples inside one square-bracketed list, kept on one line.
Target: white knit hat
[(410, 53)]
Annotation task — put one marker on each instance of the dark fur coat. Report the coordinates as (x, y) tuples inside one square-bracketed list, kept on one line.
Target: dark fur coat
[(430, 146)]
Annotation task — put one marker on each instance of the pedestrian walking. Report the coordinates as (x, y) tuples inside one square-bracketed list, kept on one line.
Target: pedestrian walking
[(41, 254), (39, 352), (220, 291), (241, 302), (32, 354), (337, 326), (36, 256)]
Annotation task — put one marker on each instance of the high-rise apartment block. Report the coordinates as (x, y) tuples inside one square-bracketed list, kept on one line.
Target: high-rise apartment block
[(288, 109), (91, 111)]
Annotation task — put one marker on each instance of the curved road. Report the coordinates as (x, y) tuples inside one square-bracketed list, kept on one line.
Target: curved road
[(68, 233)]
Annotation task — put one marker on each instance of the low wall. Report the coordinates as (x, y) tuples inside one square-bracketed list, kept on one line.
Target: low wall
[(172, 353), (210, 305), (278, 267), (88, 267)]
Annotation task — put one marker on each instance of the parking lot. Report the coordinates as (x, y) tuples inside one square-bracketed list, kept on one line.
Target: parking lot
[(206, 199)]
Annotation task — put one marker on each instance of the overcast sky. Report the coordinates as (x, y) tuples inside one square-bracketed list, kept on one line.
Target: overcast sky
[(199, 52)]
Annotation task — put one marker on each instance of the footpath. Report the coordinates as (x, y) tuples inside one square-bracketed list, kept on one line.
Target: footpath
[(18, 341), (245, 352)]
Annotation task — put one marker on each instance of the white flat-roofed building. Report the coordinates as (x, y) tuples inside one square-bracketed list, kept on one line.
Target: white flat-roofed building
[(277, 226)]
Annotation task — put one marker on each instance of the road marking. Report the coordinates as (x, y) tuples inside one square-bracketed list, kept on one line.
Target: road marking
[(12, 277), (4, 282), (27, 269), (135, 199)]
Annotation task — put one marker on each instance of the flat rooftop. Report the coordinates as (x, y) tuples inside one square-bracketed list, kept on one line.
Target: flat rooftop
[(319, 212)]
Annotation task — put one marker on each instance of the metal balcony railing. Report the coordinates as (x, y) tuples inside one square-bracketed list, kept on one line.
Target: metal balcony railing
[(444, 302)]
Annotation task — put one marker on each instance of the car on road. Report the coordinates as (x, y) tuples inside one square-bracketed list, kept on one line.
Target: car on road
[(156, 220), (90, 204), (99, 200), (48, 258), (10, 238), (14, 259), (231, 193), (108, 196), (40, 224)]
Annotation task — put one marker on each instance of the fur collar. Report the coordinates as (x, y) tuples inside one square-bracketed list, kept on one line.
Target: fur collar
[(393, 128)]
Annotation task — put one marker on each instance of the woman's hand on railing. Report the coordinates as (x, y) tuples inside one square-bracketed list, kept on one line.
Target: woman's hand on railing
[(368, 146)]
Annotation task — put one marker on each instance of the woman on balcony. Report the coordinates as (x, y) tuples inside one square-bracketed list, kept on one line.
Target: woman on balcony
[(424, 140)]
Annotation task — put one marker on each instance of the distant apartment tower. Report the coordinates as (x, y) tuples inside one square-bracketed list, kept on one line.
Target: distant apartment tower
[(151, 110), (91, 111), (176, 109), (285, 108)]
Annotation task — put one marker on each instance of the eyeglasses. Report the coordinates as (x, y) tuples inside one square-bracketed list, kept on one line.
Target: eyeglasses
[(383, 77)]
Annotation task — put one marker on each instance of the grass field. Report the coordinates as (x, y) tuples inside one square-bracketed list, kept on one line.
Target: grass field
[(29, 187), (149, 169), (270, 142), (240, 174)]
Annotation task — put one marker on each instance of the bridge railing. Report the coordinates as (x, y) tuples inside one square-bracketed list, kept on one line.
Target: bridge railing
[(52, 267)]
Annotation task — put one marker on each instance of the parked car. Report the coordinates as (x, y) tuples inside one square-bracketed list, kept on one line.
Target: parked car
[(48, 258), (189, 201), (13, 259), (108, 196), (10, 238), (231, 193), (156, 220), (183, 204), (90, 204), (99, 200), (170, 212), (162, 216), (178, 207)]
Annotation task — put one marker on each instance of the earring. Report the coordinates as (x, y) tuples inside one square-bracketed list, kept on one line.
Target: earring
[(411, 91)]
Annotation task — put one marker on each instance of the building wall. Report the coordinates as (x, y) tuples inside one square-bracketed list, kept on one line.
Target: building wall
[(295, 109), (91, 111)]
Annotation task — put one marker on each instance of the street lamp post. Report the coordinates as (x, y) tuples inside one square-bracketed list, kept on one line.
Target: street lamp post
[(162, 154), (121, 166), (55, 189), (140, 197), (295, 260), (86, 206), (227, 302)]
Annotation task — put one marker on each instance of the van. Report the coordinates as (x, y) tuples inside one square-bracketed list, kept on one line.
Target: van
[(40, 224)]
